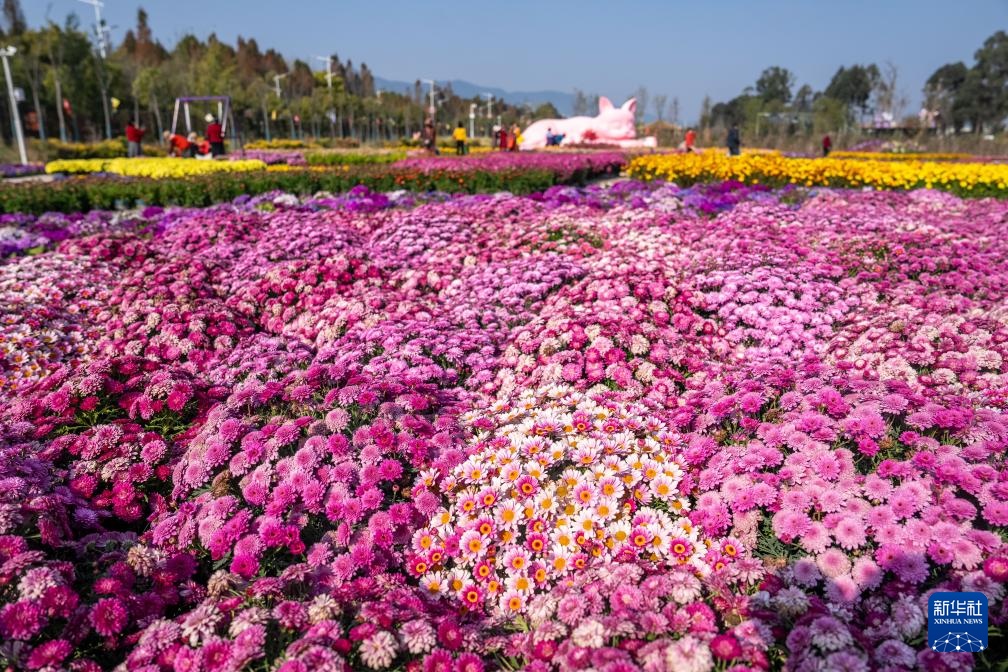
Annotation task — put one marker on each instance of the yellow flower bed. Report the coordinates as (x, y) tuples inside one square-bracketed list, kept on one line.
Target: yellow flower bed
[(901, 156), (155, 168), (758, 151), (447, 148), (279, 143), (968, 179)]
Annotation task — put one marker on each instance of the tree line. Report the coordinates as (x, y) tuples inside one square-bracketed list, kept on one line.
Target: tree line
[(956, 97), (72, 93)]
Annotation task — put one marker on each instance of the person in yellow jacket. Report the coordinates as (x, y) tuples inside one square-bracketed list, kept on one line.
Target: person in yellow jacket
[(516, 138), (460, 139)]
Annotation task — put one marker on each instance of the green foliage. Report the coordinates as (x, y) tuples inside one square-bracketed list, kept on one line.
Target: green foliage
[(774, 85), (977, 95), (733, 112), (571, 235), (991, 73), (88, 193), (351, 158), (964, 96), (106, 149), (828, 114), (770, 548), (284, 143), (853, 86), (546, 111)]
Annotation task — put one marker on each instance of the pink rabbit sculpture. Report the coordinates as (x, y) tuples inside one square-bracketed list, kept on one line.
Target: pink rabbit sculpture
[(613, 126)]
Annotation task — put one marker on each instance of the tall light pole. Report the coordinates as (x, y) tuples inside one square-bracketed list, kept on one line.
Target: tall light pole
[(328, 61), (99, 25), (472, 119), (276, 83), (431, 82), (6, 53), (332, 114), (489, 97), (103, 51)]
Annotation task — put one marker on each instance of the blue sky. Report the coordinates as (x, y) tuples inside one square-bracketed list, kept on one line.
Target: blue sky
[(682, 49)]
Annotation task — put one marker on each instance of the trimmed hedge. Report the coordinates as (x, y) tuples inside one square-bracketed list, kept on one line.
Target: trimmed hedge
[(106, 149), (80, 194), (352, 158), (284, 143)]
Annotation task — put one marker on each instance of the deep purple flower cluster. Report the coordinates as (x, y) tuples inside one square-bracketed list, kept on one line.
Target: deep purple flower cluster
[(705, 198), (20, 234), (20, 170), (564, 165), (272, 157)]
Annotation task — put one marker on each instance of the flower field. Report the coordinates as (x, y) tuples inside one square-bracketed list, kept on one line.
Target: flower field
[(520, 174), (964, 179), (647, 426)]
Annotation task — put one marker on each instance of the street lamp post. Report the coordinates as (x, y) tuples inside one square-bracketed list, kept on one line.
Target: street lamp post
[(489, 97), (431, 82), (332, 114), (472, 119), (328, 62), (102, 37), (6, 53), (99, 25), (276, 84)]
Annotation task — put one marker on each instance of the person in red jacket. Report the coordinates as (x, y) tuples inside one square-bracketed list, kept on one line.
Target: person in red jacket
[(215, 136), (177, 144), (690, 141), (827, 145), (134, 135)]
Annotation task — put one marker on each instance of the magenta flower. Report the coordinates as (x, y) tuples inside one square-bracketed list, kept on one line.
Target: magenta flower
[(449, 635), (438, 660), (468, 662), (49, 654), (725, 647), (108, 616), (996, 568)]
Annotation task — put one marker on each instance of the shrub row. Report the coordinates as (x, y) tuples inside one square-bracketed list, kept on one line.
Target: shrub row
[(352, 158), (285, 143), (106, 149), (80, 194)]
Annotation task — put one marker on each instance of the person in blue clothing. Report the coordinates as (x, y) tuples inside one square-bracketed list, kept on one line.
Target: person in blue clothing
[(554, 139), (734, 141)]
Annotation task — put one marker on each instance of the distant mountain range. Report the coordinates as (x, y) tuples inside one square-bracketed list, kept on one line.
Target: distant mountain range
[(564, 102)]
